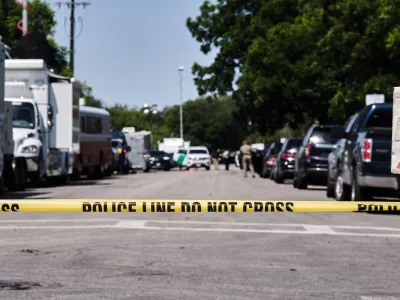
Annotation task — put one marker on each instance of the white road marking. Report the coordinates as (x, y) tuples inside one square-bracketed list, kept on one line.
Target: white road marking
[(379, 298), (198, 222), (137, 224), (319, 229), (305, 229)]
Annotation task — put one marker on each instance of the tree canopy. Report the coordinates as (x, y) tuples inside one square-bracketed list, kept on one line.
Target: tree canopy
[(298, 60)]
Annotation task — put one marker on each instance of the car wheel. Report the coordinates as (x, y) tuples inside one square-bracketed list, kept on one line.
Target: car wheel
[(342, 190)]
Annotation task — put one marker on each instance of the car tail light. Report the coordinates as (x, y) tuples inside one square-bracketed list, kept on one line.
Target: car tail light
[(270, 160), (366, 150), (307, 150), (287, 155)]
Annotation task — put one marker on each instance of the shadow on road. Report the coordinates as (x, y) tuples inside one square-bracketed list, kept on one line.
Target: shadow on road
[(23, 195)]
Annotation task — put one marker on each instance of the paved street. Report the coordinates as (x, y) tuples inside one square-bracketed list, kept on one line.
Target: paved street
[(196, 256)]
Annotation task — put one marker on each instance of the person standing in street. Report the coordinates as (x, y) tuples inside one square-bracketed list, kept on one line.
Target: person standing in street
[(121, 156), (246, 159), (214, 157), (225, 156)]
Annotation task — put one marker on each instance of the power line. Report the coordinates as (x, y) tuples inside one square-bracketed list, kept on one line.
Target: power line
[(71, 5)]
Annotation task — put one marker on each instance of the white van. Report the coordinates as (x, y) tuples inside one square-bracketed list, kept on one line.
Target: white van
[(198, 157)]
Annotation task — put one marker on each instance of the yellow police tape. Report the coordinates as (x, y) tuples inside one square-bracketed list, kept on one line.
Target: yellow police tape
[(137, 206)]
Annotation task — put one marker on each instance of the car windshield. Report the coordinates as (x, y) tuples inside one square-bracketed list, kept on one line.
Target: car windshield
[(182, 151), (293, 143), (198, 151), (23, 115), (322, 135), (275, 148), (157, 153)]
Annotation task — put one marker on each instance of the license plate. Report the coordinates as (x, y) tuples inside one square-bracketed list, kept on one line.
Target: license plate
[(198, 165), (158, 164)]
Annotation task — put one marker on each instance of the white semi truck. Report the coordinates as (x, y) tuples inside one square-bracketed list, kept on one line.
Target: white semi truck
[(12, 169), (46, 122)]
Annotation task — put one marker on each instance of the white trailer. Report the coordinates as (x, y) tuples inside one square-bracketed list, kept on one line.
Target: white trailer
[(140, 146), (12, 169), (46, 118)]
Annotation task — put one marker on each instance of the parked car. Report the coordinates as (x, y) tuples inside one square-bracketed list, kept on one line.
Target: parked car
[(198, 157), (269, 159), (334, 158), (284, 162), (311, 163), (364, 170), (160, 160)]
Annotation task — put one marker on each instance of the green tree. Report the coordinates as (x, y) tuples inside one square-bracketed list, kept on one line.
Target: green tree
[(90, 100), (41, 20), (298, 60)]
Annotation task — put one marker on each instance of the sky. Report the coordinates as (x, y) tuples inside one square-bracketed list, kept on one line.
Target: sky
[(129, 53)]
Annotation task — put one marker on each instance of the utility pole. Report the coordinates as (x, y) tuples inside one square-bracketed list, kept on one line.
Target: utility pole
[(71, 5), (180, 70)]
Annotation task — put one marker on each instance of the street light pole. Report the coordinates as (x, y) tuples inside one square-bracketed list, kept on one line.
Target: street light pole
[(150, 110), (180, 70)]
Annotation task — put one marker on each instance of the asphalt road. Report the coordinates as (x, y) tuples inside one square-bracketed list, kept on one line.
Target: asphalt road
[(196, 256)]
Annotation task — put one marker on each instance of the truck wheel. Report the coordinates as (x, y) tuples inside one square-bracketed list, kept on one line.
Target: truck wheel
[(21, 174), (2, 190), (342, 190), (359, 193), (302, 183), (278, 177), (330, 190)]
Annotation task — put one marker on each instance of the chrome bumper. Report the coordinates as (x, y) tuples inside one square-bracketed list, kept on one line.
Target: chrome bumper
[(386, 182)]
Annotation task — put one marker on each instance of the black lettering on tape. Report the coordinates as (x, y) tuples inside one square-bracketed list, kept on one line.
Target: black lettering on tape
[(233, 206), (15, 207), (131, 207), (212, 206), (144, 207), (258, 207), (247, 205), (121, 206), (5, 207), (170, 207), (222, 207), (152, 207), (196, 207), (280, 206), (160, 206), (362, 207), (97, 207), (289, 206), (393, 208), (86, 207), (185, 207), (373, 207), (113, 208), (270, 207)]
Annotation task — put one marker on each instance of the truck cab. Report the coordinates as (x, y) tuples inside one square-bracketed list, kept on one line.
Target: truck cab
[(27, 128)]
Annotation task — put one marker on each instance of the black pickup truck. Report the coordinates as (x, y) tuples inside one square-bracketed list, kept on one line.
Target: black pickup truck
[(364, 171)]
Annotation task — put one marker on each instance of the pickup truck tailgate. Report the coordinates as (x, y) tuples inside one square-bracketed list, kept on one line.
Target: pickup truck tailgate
[(381, 151)]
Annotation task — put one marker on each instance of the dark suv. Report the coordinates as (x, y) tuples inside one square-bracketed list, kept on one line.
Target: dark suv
[(284, 164), (311, 164)]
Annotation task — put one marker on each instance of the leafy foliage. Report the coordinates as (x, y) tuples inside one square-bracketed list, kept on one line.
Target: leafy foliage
[(298, 60)]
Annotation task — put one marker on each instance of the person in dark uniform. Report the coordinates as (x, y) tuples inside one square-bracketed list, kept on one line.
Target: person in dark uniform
[(121, 156)]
